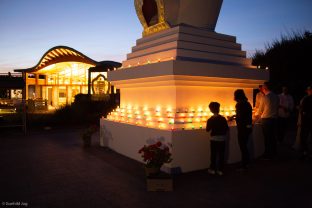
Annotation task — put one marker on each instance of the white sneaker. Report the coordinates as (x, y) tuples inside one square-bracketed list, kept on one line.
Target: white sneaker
[(211, 171)]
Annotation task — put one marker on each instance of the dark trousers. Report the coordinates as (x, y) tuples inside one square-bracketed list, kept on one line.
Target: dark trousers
[(269, 133), (306, 130), (283, 124), (243, 134), (217, 151)]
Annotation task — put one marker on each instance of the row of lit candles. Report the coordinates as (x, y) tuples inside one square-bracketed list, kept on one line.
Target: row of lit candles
[(162, 60), (158, 109), (165, 119), (147, 62)]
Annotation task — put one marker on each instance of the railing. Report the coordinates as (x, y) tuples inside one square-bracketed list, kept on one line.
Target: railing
[(11, 75), (7, 106), (15, 105), (37, 105), (13, 113)]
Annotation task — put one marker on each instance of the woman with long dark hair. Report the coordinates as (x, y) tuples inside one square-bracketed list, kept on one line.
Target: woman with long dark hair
[(244, 125)]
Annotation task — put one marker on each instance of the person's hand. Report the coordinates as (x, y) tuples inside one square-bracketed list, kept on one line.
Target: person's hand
[(230, 118), (255, 119)]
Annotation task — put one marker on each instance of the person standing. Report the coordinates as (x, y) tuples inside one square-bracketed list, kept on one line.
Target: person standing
[(268, 112), (286, 105), (244, 125), (218, 128), (306, 122), (259, 97)]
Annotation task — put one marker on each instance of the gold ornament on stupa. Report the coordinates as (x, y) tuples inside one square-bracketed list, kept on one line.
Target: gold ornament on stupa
[(158, 15)]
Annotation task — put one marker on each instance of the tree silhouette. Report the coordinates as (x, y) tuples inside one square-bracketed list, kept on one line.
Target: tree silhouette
[(289, 60)]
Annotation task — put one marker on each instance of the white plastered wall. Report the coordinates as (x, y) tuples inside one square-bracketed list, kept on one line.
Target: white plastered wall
[(181, 96)]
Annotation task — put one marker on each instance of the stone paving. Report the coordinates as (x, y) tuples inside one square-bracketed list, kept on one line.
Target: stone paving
[(51, 169)]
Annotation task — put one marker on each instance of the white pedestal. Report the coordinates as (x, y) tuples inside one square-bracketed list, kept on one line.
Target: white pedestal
[(190, 148)]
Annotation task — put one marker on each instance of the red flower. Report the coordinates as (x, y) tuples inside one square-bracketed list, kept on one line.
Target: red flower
[(155, 155)]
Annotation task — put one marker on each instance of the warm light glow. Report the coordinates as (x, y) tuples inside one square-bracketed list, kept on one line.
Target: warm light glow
[(171, 120), (145, 62), (50, 67), (158, 108)]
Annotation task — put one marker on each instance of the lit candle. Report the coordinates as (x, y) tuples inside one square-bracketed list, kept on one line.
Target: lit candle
[(160, 119)]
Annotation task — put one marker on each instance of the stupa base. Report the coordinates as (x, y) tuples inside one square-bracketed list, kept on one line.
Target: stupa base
[(190, 148)]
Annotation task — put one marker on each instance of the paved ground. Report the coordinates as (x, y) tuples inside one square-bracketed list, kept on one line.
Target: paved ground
[(51, 169)]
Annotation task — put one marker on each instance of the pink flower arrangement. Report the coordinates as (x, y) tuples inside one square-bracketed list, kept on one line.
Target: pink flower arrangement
[(155, 155)]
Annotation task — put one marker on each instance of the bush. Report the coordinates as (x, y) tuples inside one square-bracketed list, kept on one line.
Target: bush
[(288, 60), (84, 111)]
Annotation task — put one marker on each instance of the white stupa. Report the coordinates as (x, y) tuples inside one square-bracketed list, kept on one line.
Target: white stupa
[(174, 71)]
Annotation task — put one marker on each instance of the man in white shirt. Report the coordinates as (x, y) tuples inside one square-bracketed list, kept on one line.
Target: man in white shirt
[(259, 97), (258, 100), (286, 105), (268, 112)]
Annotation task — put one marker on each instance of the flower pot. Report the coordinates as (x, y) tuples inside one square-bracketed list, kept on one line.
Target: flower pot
[(159, 183), (150, 171), (86, 141)]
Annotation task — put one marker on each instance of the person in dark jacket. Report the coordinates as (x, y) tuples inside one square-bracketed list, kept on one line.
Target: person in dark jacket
[(244, 125), (306, 122), (218, 128)]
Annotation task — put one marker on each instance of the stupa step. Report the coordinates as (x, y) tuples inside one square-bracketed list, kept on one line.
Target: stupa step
[(214, 39), (188, 55), (210, 48), (194, 70), (186, 45), (187, 30), (183, 54), (152, 50), (153, 43), (188, 38)]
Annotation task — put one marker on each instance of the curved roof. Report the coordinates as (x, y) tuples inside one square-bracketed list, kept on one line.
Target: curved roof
[(59, 54)]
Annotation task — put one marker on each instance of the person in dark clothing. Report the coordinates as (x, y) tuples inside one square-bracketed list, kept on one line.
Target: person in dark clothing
[(306, 122), (218, 128), (244, 125)]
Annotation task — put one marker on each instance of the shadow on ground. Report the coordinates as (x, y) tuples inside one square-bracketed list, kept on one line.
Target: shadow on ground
[(51, 169)]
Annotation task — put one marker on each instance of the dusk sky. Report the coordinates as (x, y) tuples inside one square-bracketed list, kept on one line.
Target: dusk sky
[(107, 29)]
